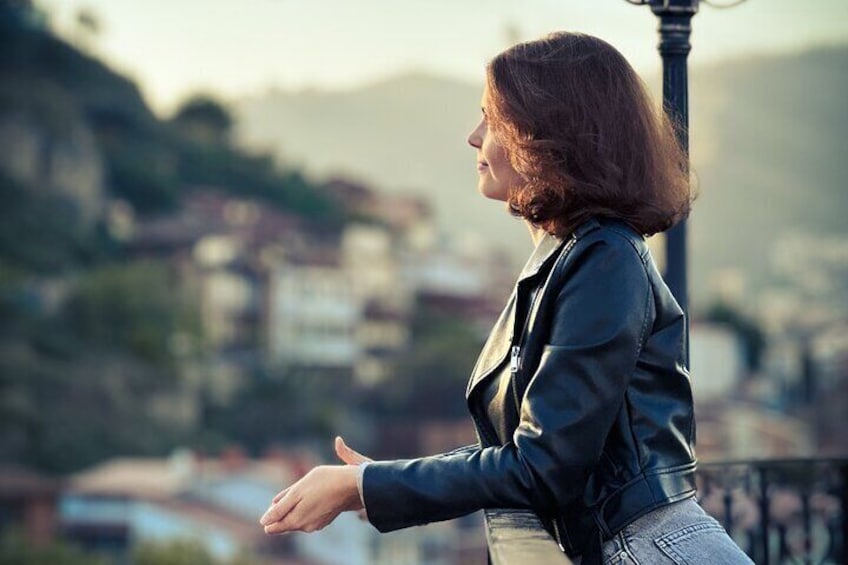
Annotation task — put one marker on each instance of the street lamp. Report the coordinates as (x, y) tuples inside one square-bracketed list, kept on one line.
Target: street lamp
[(675, 29)]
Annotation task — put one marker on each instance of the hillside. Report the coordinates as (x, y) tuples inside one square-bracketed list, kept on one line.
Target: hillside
[(404, 134), (86, 344), (56, 101), (768, 138)]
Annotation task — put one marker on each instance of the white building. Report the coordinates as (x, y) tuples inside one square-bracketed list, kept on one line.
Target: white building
[(312, 316), (715, 360)]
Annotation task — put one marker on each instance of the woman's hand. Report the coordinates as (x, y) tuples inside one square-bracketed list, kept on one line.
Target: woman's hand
[(314, 501), (348, 455), (352, 457), (319, 497)]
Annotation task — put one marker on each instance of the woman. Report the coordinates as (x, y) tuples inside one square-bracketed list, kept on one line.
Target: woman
[(580, 397)]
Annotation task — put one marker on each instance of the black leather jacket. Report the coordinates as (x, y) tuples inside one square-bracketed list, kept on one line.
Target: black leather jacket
[(603, 430)]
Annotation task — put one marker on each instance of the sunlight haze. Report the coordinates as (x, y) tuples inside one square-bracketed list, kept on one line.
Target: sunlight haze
[(236, 48)]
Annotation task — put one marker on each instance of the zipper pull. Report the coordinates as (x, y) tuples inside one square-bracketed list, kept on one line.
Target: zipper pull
[(558, 537), (514, 358)]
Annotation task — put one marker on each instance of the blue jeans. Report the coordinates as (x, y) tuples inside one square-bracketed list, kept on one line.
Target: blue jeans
[(680, 533)]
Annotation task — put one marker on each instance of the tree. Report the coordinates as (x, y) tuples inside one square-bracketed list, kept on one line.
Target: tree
[(15, 550), (86, 27), (180, 552), (204, 120), (430, 377), (753, 340), (131, 307)]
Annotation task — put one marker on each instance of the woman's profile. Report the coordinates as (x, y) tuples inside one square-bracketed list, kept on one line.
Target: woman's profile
[(580, 397)]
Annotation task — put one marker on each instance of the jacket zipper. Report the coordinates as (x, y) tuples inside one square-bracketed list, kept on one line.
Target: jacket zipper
[(515, 352), (514, 361), (558, 536)]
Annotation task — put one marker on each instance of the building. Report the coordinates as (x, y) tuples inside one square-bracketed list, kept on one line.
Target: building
[(312, 314), (28, 504), (126, 501)]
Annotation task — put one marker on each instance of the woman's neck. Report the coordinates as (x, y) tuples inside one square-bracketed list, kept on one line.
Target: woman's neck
[(536, 233)]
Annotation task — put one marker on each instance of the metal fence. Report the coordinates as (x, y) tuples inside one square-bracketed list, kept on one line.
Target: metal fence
[(781, 511)]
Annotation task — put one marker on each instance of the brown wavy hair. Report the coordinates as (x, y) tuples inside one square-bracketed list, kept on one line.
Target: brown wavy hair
[(578, 125)]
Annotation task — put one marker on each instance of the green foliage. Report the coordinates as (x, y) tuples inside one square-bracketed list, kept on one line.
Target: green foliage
[(180, 552), (15, 550), (431, 376), (91, 85), (16, 13), (254, 176), (206, 109), (134, 177), (41, 101), (63, 414), (41, 231), (75, 385), (131, 307), (202, 114)]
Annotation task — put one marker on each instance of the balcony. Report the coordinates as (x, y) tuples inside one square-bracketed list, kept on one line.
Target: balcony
[(778, 511)]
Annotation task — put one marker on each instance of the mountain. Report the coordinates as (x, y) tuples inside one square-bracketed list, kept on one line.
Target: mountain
[(71, 124), (768, 138), (405, 134)]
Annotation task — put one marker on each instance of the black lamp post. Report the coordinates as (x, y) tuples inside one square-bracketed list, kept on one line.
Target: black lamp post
[(675, 29)]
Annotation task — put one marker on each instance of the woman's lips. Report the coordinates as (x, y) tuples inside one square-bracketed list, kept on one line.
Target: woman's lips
[(482, 166)]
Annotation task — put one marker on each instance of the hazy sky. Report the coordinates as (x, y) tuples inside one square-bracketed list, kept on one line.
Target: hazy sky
[(240, 47)]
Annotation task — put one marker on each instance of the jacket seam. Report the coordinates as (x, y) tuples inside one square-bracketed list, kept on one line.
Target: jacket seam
[(640, 346), (628, 236), (670, 470)]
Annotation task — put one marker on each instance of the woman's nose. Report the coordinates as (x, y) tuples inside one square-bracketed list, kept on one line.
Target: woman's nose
[(475, 138)]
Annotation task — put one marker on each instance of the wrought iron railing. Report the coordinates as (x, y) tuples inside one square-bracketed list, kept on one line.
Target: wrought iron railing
[(781, 511), (778, 511)]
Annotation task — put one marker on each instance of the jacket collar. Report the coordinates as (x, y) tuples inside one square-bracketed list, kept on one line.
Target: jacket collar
[(545, 249), (500, 340), (549, 246)]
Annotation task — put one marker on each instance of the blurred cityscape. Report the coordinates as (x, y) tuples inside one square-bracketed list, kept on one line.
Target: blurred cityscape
[(189, 321)]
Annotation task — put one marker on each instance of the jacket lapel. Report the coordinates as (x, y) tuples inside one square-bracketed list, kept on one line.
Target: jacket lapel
[(497, 345), (500, 340)]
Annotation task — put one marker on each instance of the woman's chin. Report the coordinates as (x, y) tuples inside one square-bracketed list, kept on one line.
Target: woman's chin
[(492, 194)]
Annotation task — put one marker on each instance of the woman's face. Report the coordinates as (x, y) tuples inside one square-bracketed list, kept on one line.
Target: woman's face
[(496, 175)]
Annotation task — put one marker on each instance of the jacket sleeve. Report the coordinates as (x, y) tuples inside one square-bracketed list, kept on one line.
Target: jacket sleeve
[(601, 313)]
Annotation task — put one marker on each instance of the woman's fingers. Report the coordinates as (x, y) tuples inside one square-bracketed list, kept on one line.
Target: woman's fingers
[(279, 509), (289, 523), (280, 495), (279, 528), (348, 455)]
